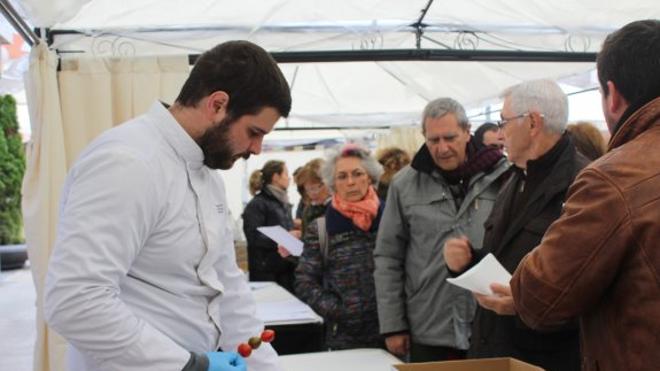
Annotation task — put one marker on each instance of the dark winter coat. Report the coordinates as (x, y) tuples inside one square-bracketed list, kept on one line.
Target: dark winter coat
[(264, 263), (341, 287), (512, 230)]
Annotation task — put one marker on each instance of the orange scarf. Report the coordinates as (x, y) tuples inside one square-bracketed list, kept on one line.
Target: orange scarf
[(362, 212)]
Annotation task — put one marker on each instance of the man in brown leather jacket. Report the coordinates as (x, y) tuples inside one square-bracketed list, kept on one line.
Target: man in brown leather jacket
[(601, 259)]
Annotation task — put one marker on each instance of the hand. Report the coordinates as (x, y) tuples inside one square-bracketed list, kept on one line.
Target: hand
[(283, 251), (225, 361), (501, 302), (297, 223), (296, 233), (457, 253), (399, 344)]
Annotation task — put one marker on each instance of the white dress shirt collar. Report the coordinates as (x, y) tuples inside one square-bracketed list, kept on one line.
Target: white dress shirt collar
[(176, 136)]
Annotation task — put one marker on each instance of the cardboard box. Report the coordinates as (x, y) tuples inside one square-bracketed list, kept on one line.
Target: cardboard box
[(486, 364)]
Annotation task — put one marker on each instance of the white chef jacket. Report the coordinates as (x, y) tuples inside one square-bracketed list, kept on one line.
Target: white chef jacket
[(144, 270)]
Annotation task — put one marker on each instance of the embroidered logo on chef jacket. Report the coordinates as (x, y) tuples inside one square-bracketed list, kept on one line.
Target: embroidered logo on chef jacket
[(220, 208)]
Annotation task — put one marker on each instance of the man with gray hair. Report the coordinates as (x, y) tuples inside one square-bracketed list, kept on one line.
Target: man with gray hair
[(447, 191), (545, 163)]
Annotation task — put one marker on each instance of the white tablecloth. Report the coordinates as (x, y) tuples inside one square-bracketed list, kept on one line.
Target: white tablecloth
[(276, 306), (342, 360)]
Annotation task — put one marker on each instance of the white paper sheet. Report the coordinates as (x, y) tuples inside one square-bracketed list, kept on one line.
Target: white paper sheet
[(479, 277), (284, 238)]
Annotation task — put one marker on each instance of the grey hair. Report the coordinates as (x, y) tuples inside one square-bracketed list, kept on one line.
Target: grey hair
[(442, 106), (541, 96), (373, 168)]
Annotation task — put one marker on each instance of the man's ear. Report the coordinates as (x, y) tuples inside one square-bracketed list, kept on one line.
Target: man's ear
[(216, 104), (536, 122), (615, 103)]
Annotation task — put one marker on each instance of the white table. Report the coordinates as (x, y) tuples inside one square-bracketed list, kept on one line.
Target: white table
[(298, 328), (341, 360), (276, 306)]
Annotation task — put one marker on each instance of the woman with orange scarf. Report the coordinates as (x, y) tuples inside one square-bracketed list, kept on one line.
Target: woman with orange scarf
[(335, 272)]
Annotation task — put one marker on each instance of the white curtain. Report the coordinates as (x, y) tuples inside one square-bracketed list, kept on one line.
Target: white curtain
[(67, 110)]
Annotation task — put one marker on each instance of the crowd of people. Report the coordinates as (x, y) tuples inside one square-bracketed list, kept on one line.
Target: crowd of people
[(576, 221), (460, 197)]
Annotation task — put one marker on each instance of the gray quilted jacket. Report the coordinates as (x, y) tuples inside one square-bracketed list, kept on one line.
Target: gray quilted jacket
[(410, 271)]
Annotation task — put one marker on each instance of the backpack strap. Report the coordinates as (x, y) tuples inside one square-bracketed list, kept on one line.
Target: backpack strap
[(323, 238)]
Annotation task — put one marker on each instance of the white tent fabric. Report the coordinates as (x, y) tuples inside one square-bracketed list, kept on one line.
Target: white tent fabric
[(353, 94), (42, 185)]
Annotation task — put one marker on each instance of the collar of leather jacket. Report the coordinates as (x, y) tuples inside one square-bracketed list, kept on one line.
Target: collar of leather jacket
[(637, 122)]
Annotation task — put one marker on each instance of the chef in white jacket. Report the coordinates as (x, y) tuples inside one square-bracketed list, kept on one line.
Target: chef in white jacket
[(143, 274)]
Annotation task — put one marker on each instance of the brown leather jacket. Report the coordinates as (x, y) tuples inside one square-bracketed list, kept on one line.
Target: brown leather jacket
[(601, 259)]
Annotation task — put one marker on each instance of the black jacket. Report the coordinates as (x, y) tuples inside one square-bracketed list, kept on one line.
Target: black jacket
[(264, 263), (515, 226)]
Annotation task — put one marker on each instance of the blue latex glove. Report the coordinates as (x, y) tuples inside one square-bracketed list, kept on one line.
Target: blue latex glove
[(226, 361)]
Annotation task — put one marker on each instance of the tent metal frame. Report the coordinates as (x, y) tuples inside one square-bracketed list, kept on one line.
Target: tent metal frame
[(334, 56), (456, 55), (18, 23), (382, 55)]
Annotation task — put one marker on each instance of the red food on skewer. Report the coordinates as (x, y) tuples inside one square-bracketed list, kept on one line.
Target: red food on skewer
[(268, 336), (244, 350)]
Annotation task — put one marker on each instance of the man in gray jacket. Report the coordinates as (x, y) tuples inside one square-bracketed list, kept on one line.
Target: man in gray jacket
[(447, 191)]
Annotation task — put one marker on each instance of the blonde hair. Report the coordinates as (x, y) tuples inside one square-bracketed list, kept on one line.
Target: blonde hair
[(393, 159), (587, 139), (311, 171), (255, 182)]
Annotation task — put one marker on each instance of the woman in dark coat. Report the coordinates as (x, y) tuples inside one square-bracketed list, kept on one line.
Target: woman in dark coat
[(335, 272), (269, 207)]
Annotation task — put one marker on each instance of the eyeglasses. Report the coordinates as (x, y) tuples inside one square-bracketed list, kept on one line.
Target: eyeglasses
[(502, 123)]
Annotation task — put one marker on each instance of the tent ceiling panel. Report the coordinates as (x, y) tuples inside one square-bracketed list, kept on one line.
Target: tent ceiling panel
[(351, 93), (253, 13), (280, 25)]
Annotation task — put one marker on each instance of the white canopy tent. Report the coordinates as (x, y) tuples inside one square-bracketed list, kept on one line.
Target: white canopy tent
[(355, 93), (396, 56)]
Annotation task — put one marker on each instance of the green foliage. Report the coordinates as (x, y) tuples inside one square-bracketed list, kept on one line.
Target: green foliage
[(12, 168)]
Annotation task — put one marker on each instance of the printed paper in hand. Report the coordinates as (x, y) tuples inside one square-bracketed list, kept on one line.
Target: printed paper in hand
[(284, 238), (479, 277)]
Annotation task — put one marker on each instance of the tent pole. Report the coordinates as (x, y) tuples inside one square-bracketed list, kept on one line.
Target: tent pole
[(457, 55), (18, 23), (419, 26)]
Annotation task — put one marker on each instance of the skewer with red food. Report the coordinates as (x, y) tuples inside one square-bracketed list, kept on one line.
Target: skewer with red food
[(245, 349)]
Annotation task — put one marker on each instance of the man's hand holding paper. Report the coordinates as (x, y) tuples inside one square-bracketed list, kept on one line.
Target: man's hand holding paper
[(501, 302)]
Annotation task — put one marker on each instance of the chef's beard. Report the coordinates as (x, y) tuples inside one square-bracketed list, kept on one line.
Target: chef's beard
[(217, 146)]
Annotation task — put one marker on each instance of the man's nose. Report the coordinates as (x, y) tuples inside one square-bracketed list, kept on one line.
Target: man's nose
[(443, 146), (255, 145)]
